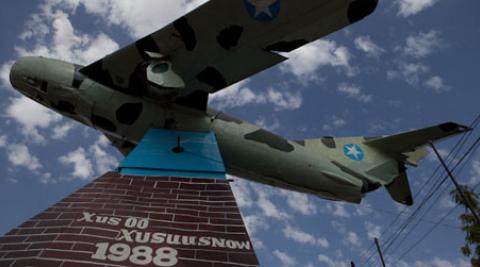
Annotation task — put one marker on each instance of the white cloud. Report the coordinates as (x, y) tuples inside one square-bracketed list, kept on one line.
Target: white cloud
[(140, 17), (304, 238), (32, 117), (423, 44), (3, 140), (285, 259), (411, 73), (104, 162), (50, 33), (254, 223), (353, 239), (239, 95), (20, 155), (263, 123), (269, 209), (411, 7), (338, 209), (437, 84), (305, 62), (439, 262), (373, 230), (5, 74), (334, 123), (82, 166), (354, 91), (299, 202), (327, 261), (366, 44), (241, 190), (62, 131)]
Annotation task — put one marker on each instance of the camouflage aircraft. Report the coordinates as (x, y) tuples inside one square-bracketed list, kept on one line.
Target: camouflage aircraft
[(164, 81)]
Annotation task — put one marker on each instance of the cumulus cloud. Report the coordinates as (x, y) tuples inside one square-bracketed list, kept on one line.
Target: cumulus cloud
[(32, 117), (408, 8), (327, 261), (353, 239), (254, 223), (139, 17), (299, 202), (268, 208), (437, 84), (5, 74), (285, 259), (411, 73), (62, 41), (82, 165), (354, 91), (366, 45), (262, 122), (61, 131), (305, 62), (240, 95), (423, 44), (335, 122), (373, 230), (20, 155), (302, 237), (243, 193), (104, 162)]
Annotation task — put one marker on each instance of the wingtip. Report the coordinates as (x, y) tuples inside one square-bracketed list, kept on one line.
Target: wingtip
[(454, 127)]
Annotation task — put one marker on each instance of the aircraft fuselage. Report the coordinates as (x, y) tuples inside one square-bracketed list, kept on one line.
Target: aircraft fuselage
[(248, 151)]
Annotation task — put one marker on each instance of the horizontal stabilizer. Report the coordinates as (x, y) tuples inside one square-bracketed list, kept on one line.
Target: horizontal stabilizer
[(409, 141)]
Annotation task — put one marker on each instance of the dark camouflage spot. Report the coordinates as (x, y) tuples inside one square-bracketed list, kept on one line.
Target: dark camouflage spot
[(272, 140), (64, 107), (146, 44), (359, 9), (213, 78), (286, 46), (448, 127), (186, 32), (228, 38), (97, 73), (103, 123), (129, 113), (196, 100)]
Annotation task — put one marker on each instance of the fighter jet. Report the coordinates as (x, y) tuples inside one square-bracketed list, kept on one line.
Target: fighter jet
[(164, 80)]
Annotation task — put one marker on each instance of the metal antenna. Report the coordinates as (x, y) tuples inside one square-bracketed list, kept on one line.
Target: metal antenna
[(178, 149), (379, 251)]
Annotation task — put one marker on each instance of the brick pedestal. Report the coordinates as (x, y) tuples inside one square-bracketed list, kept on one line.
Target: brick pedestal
[(135, 221)]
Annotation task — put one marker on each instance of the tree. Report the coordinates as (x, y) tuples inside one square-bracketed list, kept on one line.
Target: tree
[(469, 225)]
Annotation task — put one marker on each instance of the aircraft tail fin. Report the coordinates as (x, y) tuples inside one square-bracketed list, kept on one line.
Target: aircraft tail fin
[(409, 148)]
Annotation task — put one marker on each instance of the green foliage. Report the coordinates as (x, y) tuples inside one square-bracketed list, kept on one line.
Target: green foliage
[(469, 225)]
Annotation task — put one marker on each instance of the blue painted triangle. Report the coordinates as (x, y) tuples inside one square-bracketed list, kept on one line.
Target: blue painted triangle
[(157, 155)]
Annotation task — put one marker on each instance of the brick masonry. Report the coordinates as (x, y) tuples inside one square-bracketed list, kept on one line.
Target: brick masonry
[(122, 220)]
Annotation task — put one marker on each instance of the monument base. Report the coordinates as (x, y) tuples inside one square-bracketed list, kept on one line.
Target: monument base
[(122, 220)]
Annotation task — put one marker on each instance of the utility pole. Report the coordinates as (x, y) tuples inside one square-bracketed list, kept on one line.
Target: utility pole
[(450, 174), (379, 251)]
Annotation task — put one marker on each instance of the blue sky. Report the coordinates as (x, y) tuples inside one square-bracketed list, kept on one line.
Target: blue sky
[(413, 63)]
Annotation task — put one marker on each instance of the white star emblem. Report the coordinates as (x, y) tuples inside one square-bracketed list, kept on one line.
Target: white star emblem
[(262, 6), (352, 151)]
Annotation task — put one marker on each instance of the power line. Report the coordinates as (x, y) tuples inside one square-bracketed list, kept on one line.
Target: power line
[(452, 155)]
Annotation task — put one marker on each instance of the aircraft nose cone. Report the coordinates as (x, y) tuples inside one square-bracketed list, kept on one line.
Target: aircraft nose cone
[(25, 72)]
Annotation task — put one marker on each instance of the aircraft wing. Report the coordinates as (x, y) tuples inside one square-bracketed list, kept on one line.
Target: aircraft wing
[(223, 42)]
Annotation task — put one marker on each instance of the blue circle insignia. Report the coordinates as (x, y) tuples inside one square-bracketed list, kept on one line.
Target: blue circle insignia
[(263, 10), (354, 152)]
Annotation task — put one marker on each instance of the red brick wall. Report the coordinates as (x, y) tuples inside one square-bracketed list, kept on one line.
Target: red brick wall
[(135, 221)]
